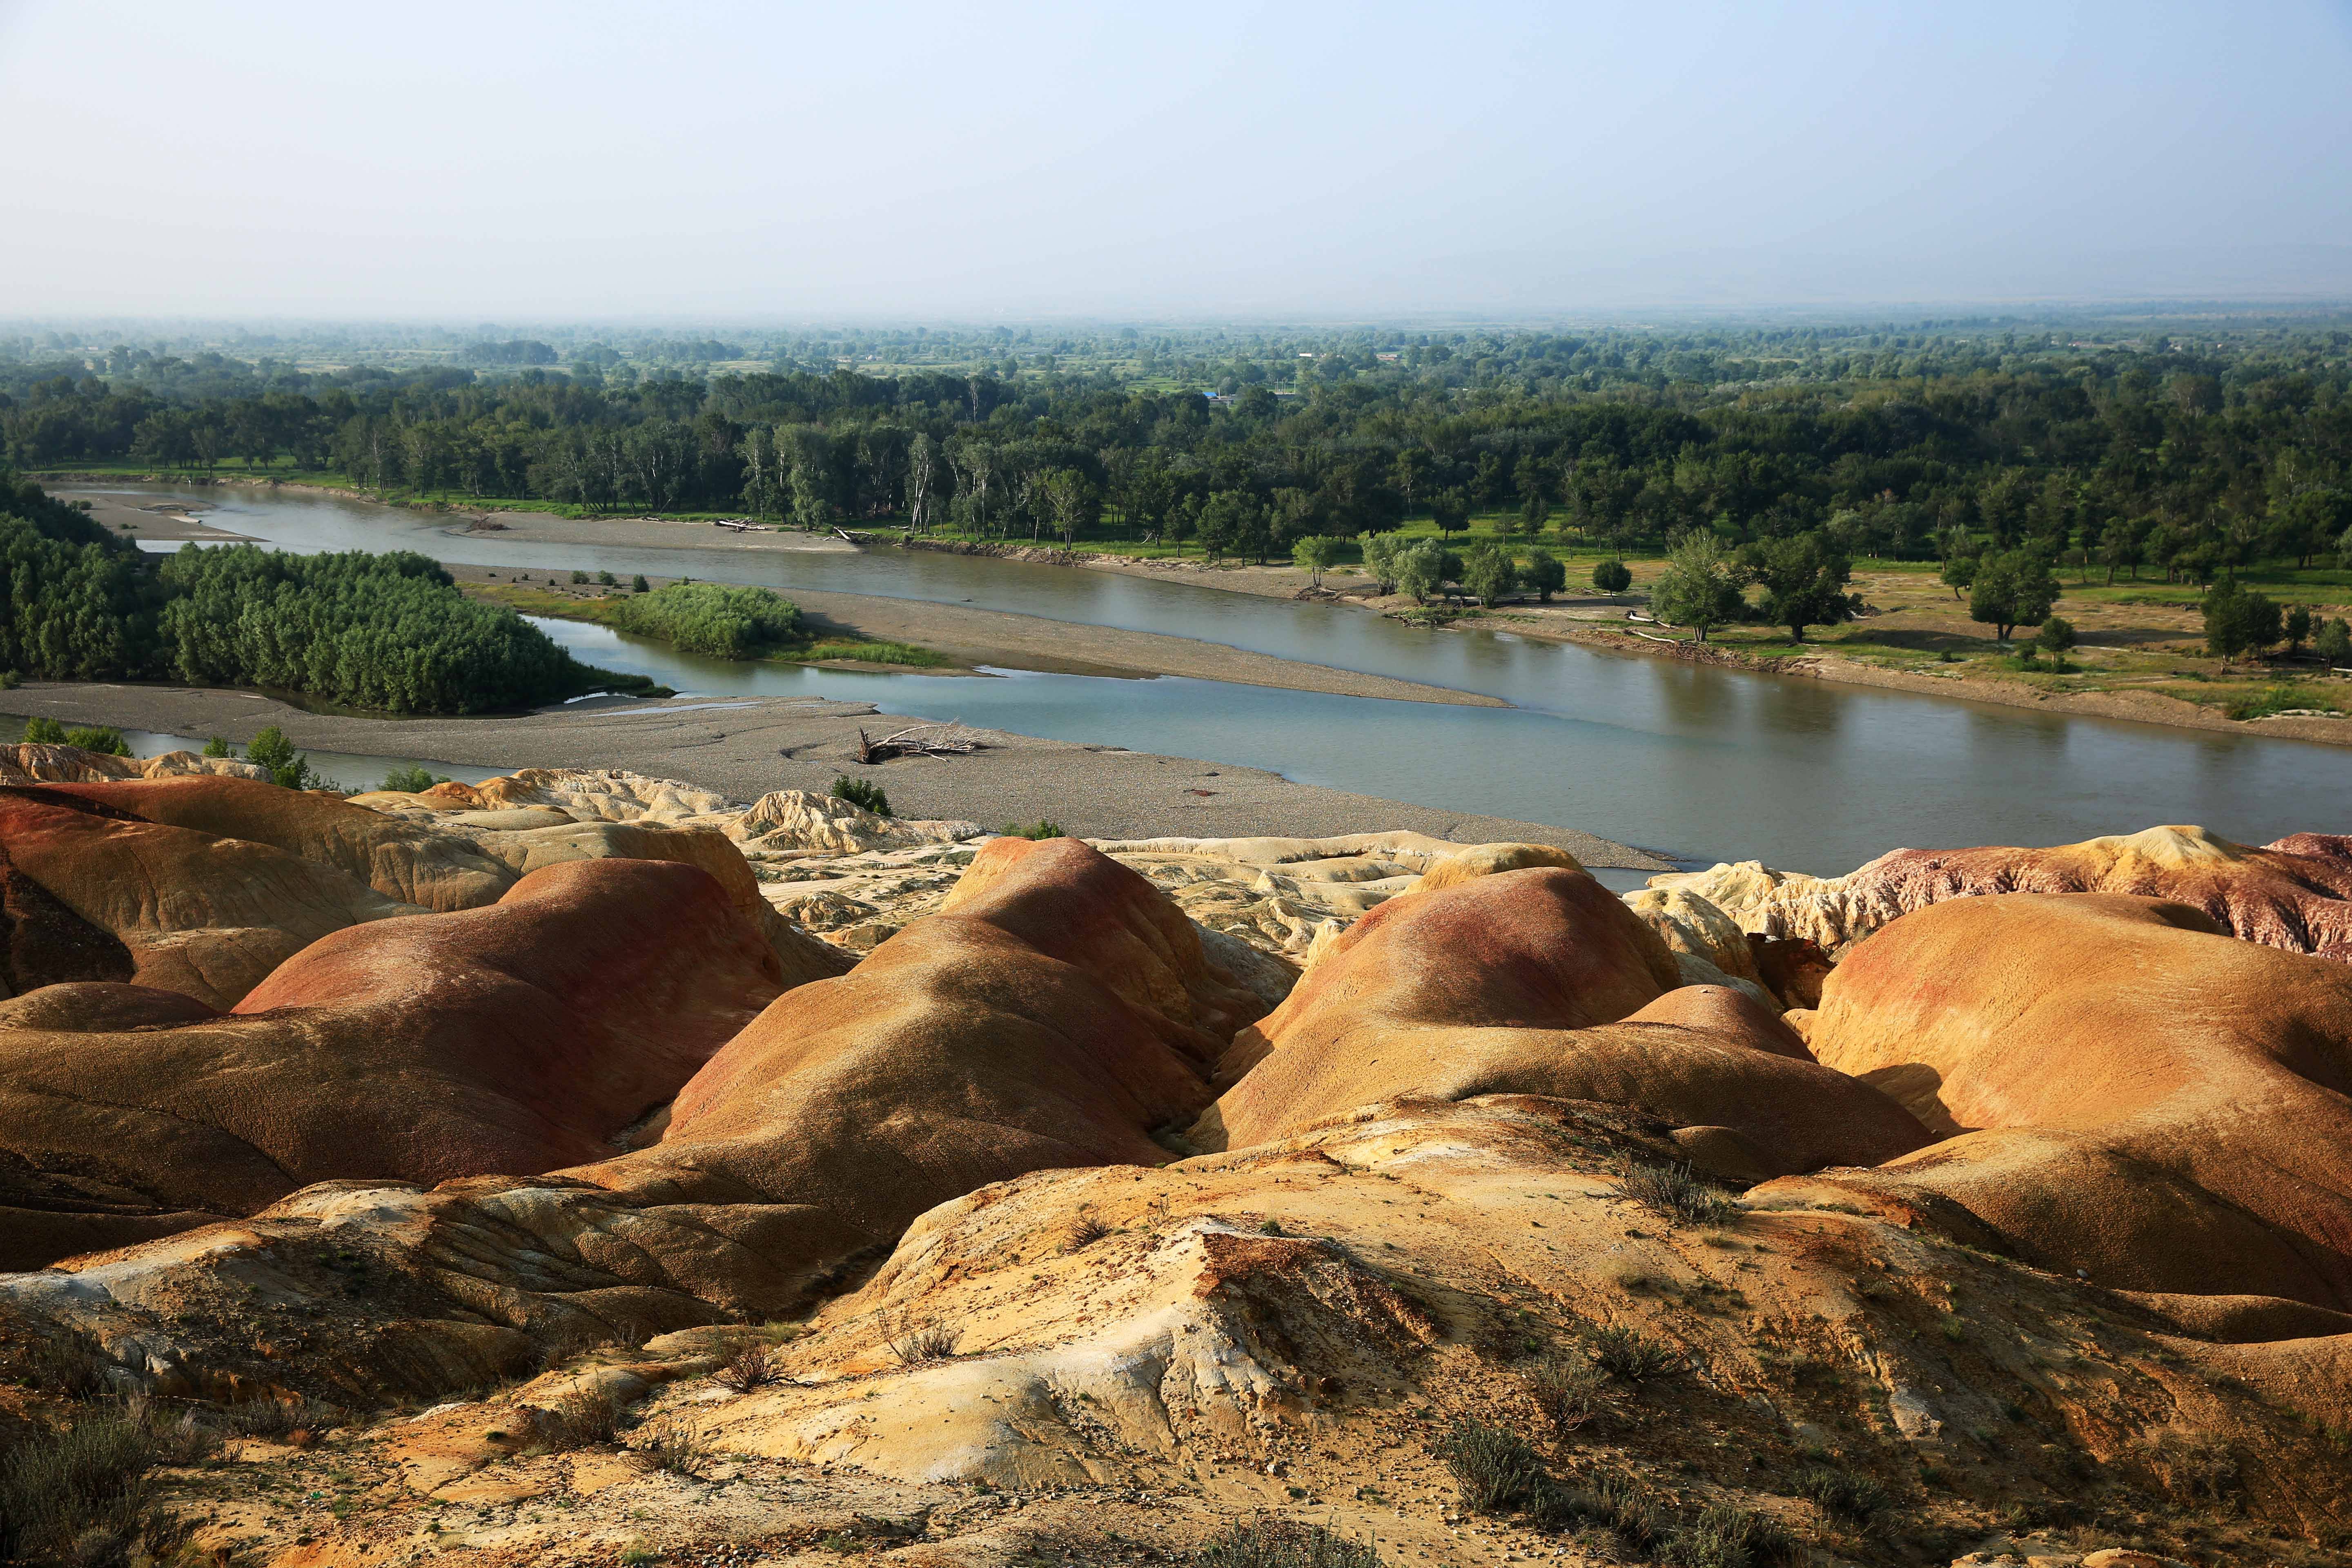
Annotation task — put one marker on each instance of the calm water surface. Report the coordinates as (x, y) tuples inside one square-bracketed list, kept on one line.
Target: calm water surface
[(1699, 763)]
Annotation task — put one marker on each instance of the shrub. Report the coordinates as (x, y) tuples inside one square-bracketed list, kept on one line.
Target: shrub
[(673, 1443), (277, 1419), (1545, 574), (1497, 1470), (711, 618), (413, 780), (747, 1368), (1856, 1499), (1043, 827), (638, 585), (1676, 1191), (217, 747), (288, 768), (1084, 1232), (1630, 1354), (104, 738), (606, 580), (916, 1344), (10, 680), (579, 576), (1612, 576), (77, 1492), (580, 1418), (1570, 1391), (44, 732), (1271, 1540), (1727, 1537), (865, 796)]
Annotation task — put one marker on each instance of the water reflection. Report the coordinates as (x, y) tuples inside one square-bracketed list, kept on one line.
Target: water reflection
[(1698, 761)]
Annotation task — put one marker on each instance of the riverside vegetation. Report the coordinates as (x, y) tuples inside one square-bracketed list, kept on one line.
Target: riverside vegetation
[(1772, 475), (379, 631)]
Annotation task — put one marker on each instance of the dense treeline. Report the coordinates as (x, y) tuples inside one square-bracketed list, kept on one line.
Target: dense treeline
[(373, 631), (2181, 457)]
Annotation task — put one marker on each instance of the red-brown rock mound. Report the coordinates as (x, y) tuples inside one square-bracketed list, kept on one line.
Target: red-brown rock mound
[(2130, 1092), (1055, 1012), (1541, 982), (526, 1034)]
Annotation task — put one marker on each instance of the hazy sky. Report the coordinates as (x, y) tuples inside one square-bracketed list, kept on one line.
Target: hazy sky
[(519, 162)]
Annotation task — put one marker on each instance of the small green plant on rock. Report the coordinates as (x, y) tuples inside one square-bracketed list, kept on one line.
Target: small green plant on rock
[(413, 780), (1043, 827), (862, 794)]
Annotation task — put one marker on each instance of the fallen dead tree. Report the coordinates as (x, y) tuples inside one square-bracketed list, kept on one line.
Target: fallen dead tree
[(922, 740)]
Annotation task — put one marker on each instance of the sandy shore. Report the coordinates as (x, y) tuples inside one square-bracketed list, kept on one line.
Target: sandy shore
[(746, 746)]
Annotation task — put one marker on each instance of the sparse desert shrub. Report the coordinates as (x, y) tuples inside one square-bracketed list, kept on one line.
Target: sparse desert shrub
[(672, 1443), (1677, 1193), (1723, 1536), (1570, 1390), (1630, 1354), (1084, 1232), (916, 1344), (1497, 1470), (1272, 1540), (1857, 1500), (2194, 1471), (278, 1419), (748, 1366), (580, 1418), (67, 1365), (865, 796), (78, 1493)]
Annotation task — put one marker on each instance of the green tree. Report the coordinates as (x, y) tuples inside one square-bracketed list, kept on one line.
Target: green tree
[(1700, 586), (638, 585), (2011, 589), (289, 769), (1316, 554), (1487, 573), (1545, 574), (711, 618), (1421, 570), (103, 738), (1612, 578), (2239, 620), (2298, 628), (2055, 638), (411, 779), (1803, 578), (39, 731), (1959, 571), (2333, 643), (1381, 552), (1450, 510), (217, 747)]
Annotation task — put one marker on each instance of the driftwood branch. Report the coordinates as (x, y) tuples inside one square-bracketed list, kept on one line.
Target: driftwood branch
[(922, 740)]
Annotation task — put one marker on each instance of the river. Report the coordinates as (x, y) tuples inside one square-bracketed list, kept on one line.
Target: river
[(1696, 762)]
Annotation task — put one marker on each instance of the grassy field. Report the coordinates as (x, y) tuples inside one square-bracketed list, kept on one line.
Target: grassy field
[(592, 605)]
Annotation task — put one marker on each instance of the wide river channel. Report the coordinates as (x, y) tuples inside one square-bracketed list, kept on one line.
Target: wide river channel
[(1698, 763)]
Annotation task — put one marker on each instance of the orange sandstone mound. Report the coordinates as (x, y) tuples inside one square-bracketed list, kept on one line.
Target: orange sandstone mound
[(2295, 893), (1055, 1012), (1540, 982), (2130, 1092), (512, 1038)]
